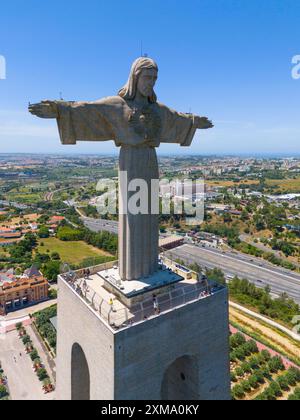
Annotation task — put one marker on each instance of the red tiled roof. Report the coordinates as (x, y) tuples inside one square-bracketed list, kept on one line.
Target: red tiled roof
[(57, 219)]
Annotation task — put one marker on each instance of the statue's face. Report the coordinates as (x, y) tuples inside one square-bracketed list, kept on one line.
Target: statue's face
[(146, 82)]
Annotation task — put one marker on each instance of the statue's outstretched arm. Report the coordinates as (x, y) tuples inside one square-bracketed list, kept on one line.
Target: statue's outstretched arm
[(44, 109), (78, 121), (202, 123)]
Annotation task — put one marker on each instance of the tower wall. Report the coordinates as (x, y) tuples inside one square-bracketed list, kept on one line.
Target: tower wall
[(77, 323), (181, 354)]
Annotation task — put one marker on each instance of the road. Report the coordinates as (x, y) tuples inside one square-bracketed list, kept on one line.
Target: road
[(13, 204), (256, 271), (262, 247), (99, 225), (22, 380)]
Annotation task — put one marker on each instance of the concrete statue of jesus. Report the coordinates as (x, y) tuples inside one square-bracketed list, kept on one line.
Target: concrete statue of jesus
[(137, 123)]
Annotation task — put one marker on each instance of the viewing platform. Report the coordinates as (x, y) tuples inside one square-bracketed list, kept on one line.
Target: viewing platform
[(122, 304)]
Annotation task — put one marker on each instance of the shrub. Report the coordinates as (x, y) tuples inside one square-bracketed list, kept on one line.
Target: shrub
[(237, 340), (240, 353), (254, 362), (34, 355), (275, 389), (25, 339), (260, 377), (296, 372), (253, 381), (283, 383), (291, 378), (233, 356), (261, 397), (275, 364), (42, 374), (246, 367), (252, 346), (238, 392), (295, 396), (239, 372), (266, 355), (52, 294), (233, 377), (246, 386), (3, 391), (269, 395), (246, 349), (265, 371)]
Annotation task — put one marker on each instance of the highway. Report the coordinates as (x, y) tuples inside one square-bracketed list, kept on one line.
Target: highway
[(99, 225), (254, 270), (257, 271)]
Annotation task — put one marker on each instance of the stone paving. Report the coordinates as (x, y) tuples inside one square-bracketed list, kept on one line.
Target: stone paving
[(22, 380)]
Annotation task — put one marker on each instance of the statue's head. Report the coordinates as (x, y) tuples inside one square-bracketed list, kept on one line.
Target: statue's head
[(142, 78)]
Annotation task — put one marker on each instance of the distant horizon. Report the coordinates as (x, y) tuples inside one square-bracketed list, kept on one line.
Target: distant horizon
[(116, 154)]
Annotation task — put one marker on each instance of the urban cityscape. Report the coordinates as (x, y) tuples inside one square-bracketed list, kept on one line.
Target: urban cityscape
[(249, 240)]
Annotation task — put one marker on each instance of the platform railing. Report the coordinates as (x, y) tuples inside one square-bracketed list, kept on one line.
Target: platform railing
[(118, 319)]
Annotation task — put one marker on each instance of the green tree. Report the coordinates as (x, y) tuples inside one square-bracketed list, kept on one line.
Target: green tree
[(216, 275), (51, 270), (283, 383), (34, 355), (238, 392), (43, 232), (3, 391), (42, 374)]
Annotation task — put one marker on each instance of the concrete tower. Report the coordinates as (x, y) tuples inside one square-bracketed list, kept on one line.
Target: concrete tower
[(134, 352)]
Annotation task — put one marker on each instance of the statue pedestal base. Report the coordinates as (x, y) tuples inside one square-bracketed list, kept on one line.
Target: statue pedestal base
[(178, 350), (131, 292)]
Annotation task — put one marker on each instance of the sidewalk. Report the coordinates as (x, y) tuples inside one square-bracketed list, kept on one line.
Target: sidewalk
[(43, 352), (10, 325), (25, 312)]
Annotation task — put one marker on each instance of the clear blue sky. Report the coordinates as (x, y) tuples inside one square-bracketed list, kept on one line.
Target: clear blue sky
[(227, 59)]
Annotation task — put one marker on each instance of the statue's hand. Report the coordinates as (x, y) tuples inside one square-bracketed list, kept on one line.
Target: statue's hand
[(45, 109), (203, 123)]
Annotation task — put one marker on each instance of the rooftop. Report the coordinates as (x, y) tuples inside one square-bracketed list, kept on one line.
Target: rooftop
[(161, 278), (117, 315)]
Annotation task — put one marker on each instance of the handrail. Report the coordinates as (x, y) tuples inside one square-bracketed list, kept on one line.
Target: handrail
[(125, 317)]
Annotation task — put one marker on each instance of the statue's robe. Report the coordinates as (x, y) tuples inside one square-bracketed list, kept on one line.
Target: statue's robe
[(138, 132)]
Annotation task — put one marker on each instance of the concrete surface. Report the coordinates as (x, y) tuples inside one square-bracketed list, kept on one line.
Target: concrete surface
[(22, 380)]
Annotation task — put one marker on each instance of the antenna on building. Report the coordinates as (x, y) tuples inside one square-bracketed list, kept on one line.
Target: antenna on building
[(60, 96)]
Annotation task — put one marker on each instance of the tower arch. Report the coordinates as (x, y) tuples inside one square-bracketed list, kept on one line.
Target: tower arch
[(80, 374), (181, 380)]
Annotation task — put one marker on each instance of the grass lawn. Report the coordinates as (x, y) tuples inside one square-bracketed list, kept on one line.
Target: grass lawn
[(222, 183), (285, 185), (25, 198), (70, 252)]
